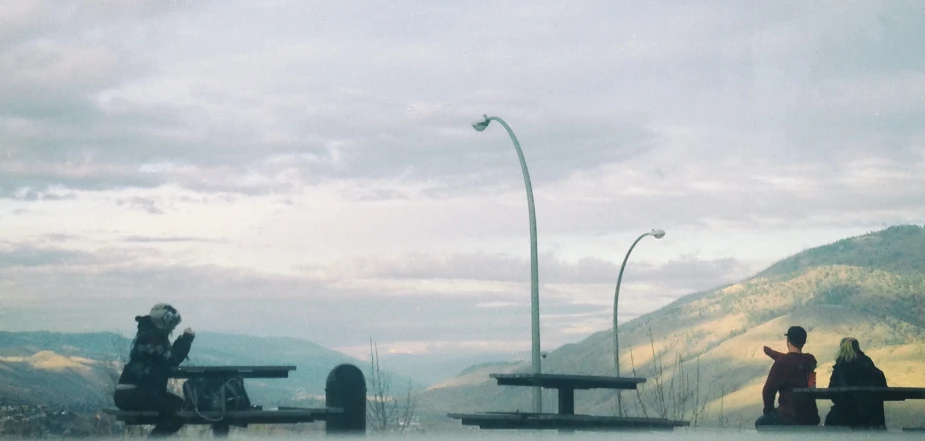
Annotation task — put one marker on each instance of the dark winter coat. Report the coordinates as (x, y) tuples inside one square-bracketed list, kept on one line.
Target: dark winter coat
[(856, 410), (153, 356)]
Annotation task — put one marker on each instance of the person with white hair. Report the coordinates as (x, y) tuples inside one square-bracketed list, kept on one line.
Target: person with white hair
[(143, 383)]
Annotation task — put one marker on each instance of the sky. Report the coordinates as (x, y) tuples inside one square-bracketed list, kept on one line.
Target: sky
[(309, 168)]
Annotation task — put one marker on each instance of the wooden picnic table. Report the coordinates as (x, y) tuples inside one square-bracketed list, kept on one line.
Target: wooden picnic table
[(231, 371), (565, 419), (289, 415), (883, 393), (522, 420), (567, 384), (221, 420)]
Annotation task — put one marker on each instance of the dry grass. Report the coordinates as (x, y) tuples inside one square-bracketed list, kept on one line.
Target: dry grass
[(51, 361)]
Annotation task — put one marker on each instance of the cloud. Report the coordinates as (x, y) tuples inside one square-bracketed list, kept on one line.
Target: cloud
[(18, 256), (246, 114), (30, 194), (321, 154), (123, 281), (149, 205), (166, 239), (687, 271)]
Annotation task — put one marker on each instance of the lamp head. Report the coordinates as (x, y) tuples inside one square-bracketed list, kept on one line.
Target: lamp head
[(481, 124), (658, 234)]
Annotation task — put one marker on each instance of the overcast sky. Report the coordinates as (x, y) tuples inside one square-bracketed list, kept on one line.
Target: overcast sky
[(308, 168)]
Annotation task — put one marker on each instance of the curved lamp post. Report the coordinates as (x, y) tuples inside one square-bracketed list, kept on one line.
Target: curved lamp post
[(658, 234), (534, 278)]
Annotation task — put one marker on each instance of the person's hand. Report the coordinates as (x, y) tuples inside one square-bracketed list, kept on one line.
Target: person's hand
[(189, 331)]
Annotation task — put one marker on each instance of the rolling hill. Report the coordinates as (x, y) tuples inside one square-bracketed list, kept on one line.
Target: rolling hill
[(703, 355), (78, 370)]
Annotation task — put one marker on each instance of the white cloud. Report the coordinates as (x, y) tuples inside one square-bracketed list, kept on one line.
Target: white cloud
[(329, 144)]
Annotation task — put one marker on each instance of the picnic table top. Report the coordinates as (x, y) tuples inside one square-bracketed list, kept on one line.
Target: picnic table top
[(230, 371), (884, 393), (565, 381), (284, 415), (522, 420)]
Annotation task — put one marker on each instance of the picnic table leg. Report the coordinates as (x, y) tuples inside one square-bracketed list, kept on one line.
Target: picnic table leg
[(566, 406), (566, 401), (220, 430)]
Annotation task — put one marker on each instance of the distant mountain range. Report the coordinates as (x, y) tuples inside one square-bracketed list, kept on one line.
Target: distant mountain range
[(430, 369), (78, 370), (701, 354), (708, 345)]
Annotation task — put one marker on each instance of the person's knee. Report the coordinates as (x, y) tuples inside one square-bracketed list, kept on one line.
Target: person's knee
[(173, 403)]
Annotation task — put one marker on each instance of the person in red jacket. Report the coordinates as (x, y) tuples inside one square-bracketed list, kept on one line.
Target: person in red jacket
[(790, 370)]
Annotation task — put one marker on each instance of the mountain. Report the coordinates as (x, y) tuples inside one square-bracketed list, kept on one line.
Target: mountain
[(78, 370), (430, 369), (46, 377), (702, 354), (313, 362)]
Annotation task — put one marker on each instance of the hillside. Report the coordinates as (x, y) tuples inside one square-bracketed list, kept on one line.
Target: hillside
[(871, 287), (82, 383), (78, 370)]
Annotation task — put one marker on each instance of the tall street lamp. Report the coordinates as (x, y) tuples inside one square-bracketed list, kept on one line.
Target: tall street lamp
[(534, 266), (658, 234)]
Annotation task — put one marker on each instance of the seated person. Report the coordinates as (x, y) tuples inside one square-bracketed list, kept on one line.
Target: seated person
[(790, 370), (854, 368), (143, 383)]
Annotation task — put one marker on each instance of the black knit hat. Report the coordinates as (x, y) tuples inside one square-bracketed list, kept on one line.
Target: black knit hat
[(796, 335)]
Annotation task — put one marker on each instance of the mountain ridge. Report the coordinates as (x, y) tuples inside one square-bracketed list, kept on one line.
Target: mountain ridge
[(80, 369), (869, 286), (716, 335)]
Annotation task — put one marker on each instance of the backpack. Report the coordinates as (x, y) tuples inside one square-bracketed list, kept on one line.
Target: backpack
[(205, 394)]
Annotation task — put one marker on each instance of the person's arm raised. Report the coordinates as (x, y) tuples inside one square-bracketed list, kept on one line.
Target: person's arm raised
[(181, 347), (772, 353)]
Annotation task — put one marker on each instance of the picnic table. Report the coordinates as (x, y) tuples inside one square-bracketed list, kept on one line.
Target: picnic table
[(882, 393), (221, 420), (226, 372), (566, 385), (565, 419)]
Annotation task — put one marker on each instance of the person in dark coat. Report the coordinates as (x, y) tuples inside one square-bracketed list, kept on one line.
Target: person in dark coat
[(143, 383), (793, 369), (854, 368)]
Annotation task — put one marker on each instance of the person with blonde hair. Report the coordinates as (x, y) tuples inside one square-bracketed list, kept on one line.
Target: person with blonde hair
[(854, 368)]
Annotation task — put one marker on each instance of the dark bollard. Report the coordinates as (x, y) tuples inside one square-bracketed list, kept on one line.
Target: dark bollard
[(346, 389)]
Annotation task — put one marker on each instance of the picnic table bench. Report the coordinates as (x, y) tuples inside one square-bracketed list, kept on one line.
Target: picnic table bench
[(882, 393), (282, 415), (565, 419), (226, 372), (221, 420), (522, 420)]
